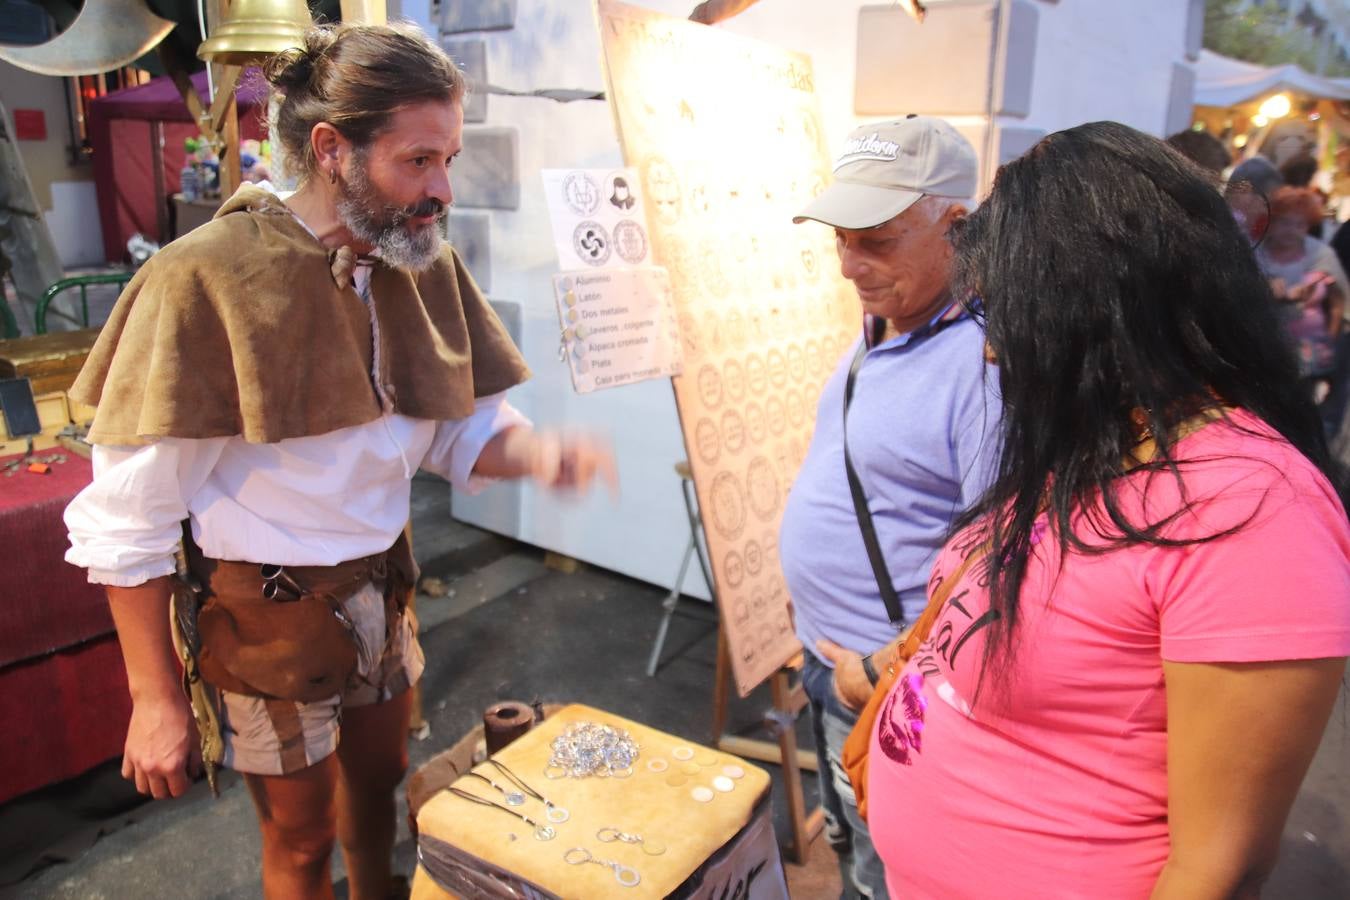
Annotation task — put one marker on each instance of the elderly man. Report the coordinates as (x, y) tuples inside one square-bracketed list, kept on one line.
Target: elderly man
[(266, 388), (906, 437)]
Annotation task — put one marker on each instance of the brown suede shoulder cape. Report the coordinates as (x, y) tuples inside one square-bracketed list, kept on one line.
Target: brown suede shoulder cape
[(239, 328)]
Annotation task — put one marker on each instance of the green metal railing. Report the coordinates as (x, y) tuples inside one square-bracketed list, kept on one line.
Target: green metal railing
[(66, 284)]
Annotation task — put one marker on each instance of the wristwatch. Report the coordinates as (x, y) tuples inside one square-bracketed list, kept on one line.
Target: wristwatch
[(870, 670)]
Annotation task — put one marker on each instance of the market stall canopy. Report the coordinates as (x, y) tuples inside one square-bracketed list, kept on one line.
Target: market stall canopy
[(159, 100), (124, 149), (1226, 82)]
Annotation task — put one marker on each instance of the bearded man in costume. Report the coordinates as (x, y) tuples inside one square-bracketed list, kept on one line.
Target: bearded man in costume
[(266, 387)]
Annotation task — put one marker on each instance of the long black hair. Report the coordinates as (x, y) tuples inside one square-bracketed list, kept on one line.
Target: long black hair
[(1118, 294)]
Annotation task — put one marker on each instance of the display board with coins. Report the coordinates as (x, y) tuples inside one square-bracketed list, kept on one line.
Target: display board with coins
[(725, 133)]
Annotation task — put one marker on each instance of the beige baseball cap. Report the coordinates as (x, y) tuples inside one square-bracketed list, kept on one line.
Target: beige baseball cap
[(886, 167)]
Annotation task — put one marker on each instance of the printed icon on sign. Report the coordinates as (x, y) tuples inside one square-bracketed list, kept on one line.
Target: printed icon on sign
[(810, 263), (710, 386), (754, 424), (763, 485), (581, 193), (728, 506), (733, 431), (777, 368), (663, 189), (796, 363), (733, 380), (707, 440), (765, 637), (620, 195), (755, 377), (630, 242), (733, 568), (754, 557), (796, 407), (736, 332), (591, 243)]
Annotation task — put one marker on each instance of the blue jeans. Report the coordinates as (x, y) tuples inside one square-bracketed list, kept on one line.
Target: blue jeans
[(859, 866)]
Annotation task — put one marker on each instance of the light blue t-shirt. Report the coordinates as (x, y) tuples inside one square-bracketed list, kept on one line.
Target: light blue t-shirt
[(923, 434)]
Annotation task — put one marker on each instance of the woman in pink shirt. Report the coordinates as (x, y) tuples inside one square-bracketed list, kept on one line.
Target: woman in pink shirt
[(1125, 688)]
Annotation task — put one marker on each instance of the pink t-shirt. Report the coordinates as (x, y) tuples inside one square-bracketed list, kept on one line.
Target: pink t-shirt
[(1056, 784)]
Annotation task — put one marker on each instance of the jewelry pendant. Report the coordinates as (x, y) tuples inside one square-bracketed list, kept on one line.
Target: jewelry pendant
[(544, 833), (556, 814), (515, 799)]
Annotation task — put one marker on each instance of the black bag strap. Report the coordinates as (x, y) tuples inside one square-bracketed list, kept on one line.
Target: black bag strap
[(869, 532)]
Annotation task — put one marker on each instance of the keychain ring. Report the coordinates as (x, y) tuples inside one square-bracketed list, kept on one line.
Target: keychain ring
[(572, 859)]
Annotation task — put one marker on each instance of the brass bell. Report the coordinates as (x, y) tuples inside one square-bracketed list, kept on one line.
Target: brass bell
[(253, 30)]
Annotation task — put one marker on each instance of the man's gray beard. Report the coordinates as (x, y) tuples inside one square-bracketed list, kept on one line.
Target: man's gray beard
[(384, 226)]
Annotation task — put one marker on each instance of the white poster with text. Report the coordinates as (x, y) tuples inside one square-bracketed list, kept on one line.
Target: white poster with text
[(618, 326)]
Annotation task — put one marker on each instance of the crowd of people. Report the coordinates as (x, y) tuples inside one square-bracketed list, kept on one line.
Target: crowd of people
[(1066, 552), (1303, 248)]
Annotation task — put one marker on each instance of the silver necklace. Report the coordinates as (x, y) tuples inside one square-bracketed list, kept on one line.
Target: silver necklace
[(552, 811), (542, 832)]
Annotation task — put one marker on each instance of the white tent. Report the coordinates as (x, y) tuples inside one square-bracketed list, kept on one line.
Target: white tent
[(1225, 82)]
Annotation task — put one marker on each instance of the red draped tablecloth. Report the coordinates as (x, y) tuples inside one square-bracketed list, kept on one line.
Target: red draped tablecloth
[(63, 691)]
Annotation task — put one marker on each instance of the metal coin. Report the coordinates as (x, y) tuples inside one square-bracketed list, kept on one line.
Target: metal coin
[(702, 794), (724, 784), (733, 771), (682, 753)]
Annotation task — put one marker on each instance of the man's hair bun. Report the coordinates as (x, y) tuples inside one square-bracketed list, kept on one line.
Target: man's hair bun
[(294, 69)]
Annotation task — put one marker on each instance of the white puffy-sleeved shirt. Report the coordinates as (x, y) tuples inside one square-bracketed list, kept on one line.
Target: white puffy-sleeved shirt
[(316, 500)]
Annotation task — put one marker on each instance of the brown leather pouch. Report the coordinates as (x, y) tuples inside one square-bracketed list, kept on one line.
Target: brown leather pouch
[(858, 746), (296, 646)]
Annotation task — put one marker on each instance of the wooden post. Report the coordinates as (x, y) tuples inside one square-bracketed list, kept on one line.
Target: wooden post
[(231, 172), (788, 701), (227, 127), (161, 188)]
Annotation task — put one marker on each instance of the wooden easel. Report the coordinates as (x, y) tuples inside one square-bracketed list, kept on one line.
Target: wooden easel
[(789, 699)]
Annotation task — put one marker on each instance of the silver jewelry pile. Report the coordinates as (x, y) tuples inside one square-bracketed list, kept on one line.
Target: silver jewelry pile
[(589, 748)]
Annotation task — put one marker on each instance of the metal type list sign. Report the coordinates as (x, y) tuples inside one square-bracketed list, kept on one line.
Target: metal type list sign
[(725, 133)]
